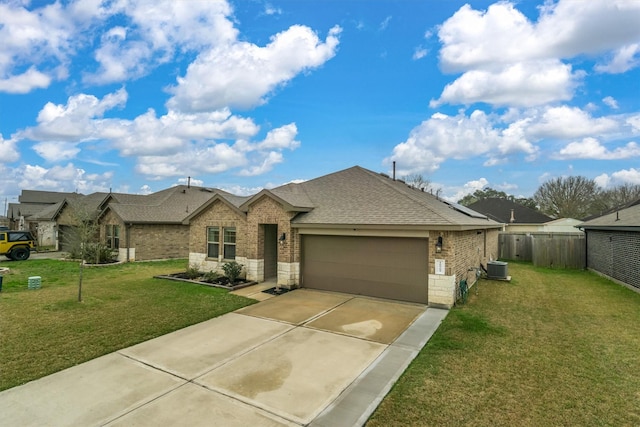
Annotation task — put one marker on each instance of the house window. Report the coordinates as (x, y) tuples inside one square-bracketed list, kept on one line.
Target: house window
[(113, 236), (213, 242), (229, 243)]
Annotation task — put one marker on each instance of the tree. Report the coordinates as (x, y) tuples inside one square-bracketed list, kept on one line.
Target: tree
[(417, 181), (568, 197), (620, 195), (485, 193), (84, 236)]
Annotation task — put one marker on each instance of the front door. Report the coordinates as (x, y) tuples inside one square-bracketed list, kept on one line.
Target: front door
[(270, 251)]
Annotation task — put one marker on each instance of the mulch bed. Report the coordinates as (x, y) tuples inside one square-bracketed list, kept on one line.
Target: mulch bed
[(276, 291), (220, 282)]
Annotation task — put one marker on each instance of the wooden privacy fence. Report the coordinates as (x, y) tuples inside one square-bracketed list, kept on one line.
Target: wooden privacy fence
[(559, 250)]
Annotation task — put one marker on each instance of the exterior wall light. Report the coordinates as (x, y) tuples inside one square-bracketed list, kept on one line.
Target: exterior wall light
[(439, 245), (282, 238)]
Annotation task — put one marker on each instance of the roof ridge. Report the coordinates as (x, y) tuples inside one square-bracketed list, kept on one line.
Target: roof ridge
[(394, 184)]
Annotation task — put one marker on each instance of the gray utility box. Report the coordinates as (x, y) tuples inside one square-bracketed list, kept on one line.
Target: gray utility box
[(497, 270)]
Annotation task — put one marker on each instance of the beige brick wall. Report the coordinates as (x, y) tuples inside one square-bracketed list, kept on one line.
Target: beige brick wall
[(268, 211), (148, 241), (469, 249), (219, 214)]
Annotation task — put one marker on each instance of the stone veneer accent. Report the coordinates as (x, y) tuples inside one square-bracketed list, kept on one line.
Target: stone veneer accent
[(463, 251), (442, 291)]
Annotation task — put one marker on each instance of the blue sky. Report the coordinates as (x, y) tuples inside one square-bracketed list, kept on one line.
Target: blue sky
[(135, 96)]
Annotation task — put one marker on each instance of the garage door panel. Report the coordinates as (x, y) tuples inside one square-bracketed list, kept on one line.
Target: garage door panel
[(395, 268)]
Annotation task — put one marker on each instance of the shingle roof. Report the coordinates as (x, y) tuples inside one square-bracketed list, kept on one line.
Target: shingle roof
[(500, 210), (357, 196), (45, 197), (628, 218), (170, 206)]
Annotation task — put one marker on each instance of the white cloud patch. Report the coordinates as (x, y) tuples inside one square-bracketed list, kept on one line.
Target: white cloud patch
[(610, 102), (66, 178), (59, 151), (457, 137), (419, 53), (174, 144), (9, 150), (155, 32), (568, 122), (506, 59), (46, 37), (621, 177), (522, 84), (243, 75), (591, 148), (469, 187)]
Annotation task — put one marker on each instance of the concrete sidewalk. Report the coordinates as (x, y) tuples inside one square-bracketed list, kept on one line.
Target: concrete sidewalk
[(302, 358)]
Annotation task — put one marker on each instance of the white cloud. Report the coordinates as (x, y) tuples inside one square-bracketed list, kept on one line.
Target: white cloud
[(56, 151), (155, 31), (521, 84), (568, 122), (590, 148), (243, 75), (385, 23), (621, 177), (269, 9), (445, 137), (610, 102), (624, 59), (506, 59), (46, 37), (9, 151), (469, 187), (63, 178), (419, 53)]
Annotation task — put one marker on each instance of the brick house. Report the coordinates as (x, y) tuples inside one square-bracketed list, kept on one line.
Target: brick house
[(147, 227), (613, 245), (353, 231)]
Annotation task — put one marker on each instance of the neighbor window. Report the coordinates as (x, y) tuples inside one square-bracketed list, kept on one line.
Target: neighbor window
[(229, 243), (213, 242), (113, 236)]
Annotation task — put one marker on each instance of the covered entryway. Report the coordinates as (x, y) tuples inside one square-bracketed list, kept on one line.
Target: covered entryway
[(384, 267), (270, 250)]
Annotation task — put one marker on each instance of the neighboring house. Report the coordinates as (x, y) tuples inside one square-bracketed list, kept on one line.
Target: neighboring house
[(562, 225), (515, 217), (353, 231), (145, 227), (613, 245), (34, 213)]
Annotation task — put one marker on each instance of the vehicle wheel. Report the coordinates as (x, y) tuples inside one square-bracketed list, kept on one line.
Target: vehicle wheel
[(20, 254), (9, 256)]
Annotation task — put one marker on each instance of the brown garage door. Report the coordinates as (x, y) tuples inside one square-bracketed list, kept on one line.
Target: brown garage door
[(383, 267)]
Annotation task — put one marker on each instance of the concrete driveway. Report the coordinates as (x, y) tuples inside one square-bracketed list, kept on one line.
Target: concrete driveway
[(302, 358)]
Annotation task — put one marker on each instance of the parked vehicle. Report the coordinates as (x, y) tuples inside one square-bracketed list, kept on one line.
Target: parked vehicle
[(16, 245)]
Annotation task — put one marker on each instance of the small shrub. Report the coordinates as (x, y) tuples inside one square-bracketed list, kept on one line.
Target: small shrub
[(211, 276), (193, 272), (99, 253), (232, 271)]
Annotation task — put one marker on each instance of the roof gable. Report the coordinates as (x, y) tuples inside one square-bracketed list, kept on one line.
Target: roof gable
[(357, 196), (628, 218)]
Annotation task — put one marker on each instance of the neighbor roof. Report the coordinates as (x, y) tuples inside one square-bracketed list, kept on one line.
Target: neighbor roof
[(500, 210), (623, 220), (45, 197), (170, 206), (357, 196)]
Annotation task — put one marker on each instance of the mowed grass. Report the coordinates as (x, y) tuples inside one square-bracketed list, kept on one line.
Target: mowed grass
[(552, 347), (46, 330)]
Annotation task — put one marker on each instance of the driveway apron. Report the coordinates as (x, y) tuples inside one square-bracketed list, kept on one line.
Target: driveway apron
[(302, 357)]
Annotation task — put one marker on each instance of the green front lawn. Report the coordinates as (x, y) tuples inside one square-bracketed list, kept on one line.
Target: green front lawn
[(46, 330), (553, 347)]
